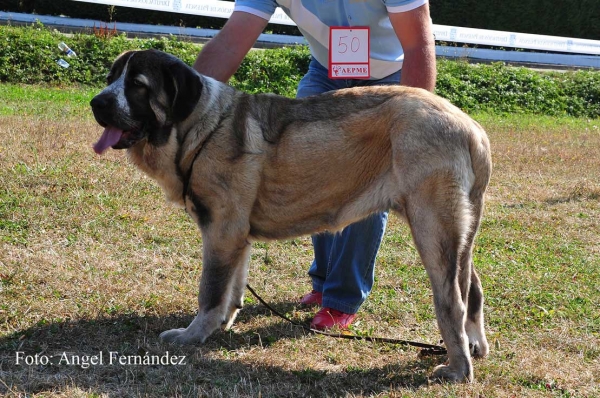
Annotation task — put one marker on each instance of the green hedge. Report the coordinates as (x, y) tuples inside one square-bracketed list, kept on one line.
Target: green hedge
[(501, 88), (29, 55)]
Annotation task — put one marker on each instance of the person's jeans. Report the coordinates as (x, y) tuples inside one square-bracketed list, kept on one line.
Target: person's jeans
[(344, 265)]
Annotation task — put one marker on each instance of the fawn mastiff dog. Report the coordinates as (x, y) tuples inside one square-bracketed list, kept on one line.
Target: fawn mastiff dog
[(255, 167)]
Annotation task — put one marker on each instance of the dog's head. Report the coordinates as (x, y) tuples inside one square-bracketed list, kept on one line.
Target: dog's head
[(147, 93)]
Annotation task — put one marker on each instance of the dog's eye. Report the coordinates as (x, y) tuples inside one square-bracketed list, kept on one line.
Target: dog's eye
[(138, 82), (109, 78)]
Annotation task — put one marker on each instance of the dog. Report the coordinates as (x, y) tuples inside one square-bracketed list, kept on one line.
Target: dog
[(263, 167)]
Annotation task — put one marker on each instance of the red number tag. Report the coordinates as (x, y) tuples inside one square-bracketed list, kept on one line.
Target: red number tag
[(349, 52)]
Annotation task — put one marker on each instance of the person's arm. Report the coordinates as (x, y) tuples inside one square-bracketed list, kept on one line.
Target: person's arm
[(414, 31), (222, 55)]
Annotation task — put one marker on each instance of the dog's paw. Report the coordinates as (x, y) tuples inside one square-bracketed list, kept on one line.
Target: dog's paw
[(448, 374), (227, 323), (479, 349), (478, 344), (179, 337)]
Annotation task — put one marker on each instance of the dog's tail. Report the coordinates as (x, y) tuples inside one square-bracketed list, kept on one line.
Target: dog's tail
[(481, 162), (474, 191)]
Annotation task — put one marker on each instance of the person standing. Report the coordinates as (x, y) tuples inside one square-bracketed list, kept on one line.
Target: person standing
[(401, 51)]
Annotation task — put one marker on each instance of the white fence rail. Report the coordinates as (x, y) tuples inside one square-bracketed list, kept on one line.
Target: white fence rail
[(208, 8)]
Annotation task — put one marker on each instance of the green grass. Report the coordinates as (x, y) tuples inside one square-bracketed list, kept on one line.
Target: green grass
[(48, 101), (92, 259)]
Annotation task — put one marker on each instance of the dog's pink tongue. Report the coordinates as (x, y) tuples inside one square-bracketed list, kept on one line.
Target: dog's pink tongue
[(110, 137)]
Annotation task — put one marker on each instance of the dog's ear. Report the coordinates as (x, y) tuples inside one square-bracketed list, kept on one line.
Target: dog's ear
[(187, 90)]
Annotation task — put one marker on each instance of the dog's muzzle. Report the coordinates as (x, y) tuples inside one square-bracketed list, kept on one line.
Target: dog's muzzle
[(115, 135), (104, 109)]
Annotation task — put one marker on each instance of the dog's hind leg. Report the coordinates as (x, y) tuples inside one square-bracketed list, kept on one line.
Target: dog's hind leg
[(474, 325), (439, 217), (225, 266)]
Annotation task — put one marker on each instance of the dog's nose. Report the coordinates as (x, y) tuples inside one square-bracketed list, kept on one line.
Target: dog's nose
[(99, 102)]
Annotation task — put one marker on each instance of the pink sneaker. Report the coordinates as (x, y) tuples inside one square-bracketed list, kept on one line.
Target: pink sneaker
[(312, 298), (327, 318)]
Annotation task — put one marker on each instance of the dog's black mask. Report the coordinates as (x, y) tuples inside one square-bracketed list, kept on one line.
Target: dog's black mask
[(147, 93)]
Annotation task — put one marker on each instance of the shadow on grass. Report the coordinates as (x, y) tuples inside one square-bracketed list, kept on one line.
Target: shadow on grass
[(124, 341)]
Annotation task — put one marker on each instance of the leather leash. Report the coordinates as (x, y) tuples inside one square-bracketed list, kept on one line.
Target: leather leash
[(426, 349)]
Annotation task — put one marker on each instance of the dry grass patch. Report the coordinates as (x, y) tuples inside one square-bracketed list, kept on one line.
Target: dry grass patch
[(92, 260)]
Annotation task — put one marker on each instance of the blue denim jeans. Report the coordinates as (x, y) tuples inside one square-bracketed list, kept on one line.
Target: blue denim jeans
[(344, 265)]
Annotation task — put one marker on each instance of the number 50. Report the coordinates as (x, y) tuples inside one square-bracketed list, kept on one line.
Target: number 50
[(354, 44)]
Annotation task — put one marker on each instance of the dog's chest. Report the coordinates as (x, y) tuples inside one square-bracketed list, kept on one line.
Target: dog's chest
[(159, 164)]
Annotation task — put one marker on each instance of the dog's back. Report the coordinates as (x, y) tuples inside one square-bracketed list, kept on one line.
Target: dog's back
[(375, 147)]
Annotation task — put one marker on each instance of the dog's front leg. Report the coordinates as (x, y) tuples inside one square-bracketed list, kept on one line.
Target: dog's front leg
[(221, 290)]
